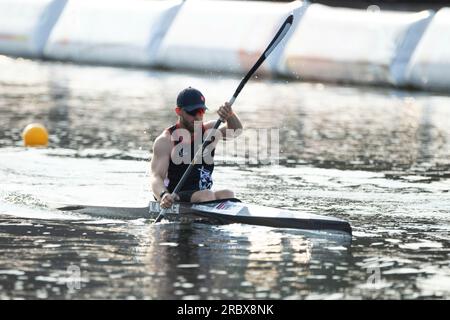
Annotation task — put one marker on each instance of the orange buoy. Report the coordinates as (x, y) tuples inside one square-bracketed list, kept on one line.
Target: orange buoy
[(35, 135)]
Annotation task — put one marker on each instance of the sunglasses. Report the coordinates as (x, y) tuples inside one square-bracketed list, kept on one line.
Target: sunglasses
[(199, 111)]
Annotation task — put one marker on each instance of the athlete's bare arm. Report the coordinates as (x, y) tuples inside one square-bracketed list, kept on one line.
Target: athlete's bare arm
[(233, 122), (160, 163)]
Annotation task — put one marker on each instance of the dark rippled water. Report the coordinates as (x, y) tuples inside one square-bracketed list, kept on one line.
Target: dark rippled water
[(376, 157), (329, 126)]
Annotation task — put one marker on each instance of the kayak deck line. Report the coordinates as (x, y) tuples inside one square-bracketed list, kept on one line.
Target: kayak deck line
[(224, 211)]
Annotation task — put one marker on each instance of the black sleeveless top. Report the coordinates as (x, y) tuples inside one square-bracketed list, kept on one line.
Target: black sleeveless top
[(200, 177)]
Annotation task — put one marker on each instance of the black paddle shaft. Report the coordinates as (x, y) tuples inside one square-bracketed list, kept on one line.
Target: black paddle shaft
[(272, 45)]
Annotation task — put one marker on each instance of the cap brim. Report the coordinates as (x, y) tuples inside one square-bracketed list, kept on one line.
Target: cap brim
[(198, 106)]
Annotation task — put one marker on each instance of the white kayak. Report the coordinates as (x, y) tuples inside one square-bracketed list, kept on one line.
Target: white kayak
[(222, 212)]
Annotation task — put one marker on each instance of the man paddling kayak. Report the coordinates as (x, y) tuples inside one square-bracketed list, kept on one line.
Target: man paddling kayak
[(175, 148)]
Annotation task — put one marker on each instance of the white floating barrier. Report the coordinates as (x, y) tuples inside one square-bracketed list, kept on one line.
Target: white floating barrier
[(111, 32), (349, 45), (430, 64), (26, 24), (225, 36)]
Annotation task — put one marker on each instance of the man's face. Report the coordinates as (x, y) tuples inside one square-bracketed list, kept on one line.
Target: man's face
[(188, 118)]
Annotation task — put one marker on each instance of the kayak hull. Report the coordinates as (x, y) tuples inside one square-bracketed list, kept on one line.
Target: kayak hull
[(222, 212)]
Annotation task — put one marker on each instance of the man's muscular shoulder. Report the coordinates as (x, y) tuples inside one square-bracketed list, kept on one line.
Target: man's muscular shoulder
[(162, 143)]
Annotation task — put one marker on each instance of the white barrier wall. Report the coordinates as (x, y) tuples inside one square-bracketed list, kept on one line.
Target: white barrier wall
[(336, 44), (324, 44), (26, 24), (111, 32), (430, 64), (224, 35)]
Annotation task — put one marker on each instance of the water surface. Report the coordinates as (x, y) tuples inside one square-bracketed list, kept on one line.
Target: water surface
[(376, 157)]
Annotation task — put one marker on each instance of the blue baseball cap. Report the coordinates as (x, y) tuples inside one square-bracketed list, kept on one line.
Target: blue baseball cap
[(190, 99)]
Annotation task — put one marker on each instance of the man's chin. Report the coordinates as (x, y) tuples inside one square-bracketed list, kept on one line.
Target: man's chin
[(190, 127)]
